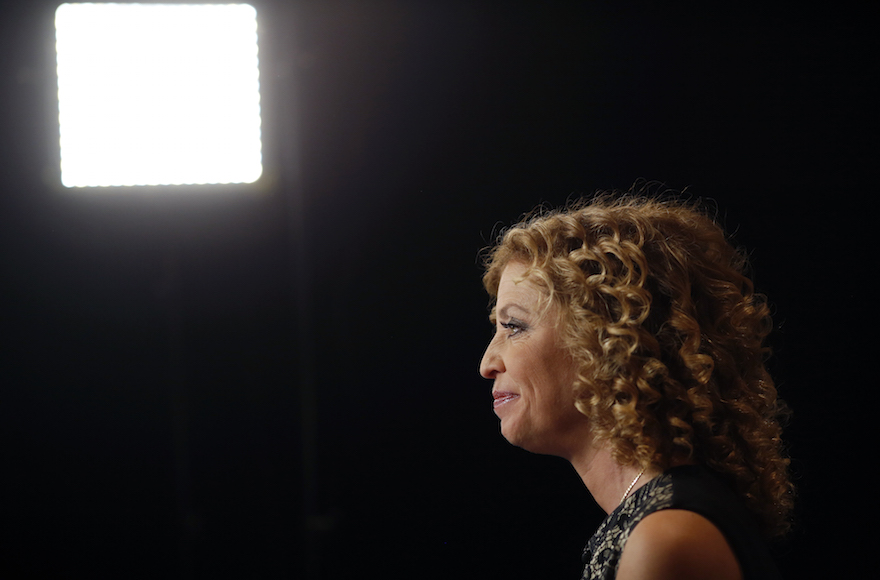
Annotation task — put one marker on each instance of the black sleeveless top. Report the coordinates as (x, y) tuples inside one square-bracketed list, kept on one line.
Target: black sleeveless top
[(692, 488)]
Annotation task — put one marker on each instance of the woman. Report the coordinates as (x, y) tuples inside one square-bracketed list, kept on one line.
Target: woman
[(630, 342)]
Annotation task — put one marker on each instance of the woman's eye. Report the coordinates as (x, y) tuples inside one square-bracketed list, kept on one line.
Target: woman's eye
[(513, 327)]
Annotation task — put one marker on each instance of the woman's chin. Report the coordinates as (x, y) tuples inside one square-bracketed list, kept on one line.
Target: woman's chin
[(510, 432), (518, 437)]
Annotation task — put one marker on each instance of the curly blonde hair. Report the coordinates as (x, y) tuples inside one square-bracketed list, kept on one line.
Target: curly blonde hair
[(668, 334)]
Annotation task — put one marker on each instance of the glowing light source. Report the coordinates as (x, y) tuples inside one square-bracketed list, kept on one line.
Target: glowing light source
[(158, 94)]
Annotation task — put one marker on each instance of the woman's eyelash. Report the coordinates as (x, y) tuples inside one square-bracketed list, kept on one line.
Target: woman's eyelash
[(515, 326)]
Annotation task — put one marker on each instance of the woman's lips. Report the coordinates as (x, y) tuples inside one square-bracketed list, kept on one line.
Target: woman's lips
[(502, 398)]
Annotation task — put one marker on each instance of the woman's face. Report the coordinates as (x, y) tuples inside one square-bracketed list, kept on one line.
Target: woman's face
[(532, 375)]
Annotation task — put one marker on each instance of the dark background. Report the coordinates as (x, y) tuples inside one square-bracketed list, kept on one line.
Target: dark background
[(280, 380)]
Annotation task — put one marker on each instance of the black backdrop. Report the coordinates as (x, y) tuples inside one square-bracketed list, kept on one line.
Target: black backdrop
[(281, 381)]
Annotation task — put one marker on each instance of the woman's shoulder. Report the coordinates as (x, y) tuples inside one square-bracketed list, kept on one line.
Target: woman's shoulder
[(679, 544), (670, 523)]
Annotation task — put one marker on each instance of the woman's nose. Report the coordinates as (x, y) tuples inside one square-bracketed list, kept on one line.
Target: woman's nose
[(491, 364)]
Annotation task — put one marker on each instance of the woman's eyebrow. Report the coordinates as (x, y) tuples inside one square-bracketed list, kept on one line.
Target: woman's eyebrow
[(504, 310)]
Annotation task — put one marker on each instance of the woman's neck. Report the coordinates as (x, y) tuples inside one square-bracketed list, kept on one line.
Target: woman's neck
[(608, 481)]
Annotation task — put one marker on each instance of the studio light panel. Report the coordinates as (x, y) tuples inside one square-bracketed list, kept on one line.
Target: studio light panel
[(158, 94)]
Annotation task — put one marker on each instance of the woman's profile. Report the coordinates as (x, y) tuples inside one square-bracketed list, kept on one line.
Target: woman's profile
[(630, 341)]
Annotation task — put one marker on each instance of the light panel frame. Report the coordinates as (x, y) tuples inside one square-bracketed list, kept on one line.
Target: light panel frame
[(158, 94)]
